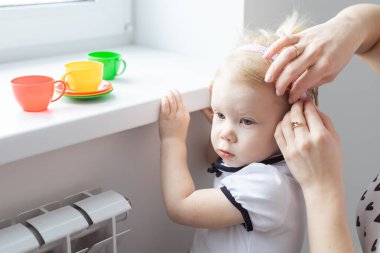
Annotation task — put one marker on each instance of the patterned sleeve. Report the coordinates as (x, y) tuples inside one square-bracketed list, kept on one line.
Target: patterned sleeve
[(261, 194)]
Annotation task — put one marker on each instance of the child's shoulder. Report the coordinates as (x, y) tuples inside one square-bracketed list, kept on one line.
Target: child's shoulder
[(279, 169)]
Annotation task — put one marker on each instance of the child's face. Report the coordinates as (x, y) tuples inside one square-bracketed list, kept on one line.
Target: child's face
[(244, 122)]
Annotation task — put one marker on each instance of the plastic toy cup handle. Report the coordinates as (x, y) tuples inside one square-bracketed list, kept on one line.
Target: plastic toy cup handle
[(124, 67), (62, 91), (63, 78)]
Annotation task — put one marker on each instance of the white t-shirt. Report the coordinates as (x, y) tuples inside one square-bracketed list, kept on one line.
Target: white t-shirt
[(272, 205), (368, 218)]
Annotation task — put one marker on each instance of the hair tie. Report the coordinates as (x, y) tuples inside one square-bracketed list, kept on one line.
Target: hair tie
[(256, 48)]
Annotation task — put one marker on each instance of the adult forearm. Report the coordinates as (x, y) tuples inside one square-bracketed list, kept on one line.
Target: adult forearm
[(327, 221), (365, 23), (176, 180)]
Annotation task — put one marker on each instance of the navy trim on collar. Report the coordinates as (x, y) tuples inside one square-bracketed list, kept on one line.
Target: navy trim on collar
[(273, 160), (217, 167)]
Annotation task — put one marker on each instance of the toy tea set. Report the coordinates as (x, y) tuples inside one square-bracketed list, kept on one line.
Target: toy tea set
[(81, 80)]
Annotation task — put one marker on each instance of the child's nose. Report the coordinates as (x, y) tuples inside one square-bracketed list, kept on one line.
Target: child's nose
[(227, 134)]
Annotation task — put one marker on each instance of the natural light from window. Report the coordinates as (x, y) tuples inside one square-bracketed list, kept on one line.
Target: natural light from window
[(45, 27), (11, 3)]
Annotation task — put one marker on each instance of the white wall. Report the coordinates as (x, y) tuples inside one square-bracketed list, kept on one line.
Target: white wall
[(127, 162), (202, 28)]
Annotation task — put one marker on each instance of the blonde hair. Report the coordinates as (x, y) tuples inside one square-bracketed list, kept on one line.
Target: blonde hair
[(249, 65)]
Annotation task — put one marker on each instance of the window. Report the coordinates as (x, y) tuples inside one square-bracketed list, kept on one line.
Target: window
[(13, 3), (31, 23)]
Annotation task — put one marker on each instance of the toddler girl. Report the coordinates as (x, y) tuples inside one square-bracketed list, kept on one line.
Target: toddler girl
[(255, 204)]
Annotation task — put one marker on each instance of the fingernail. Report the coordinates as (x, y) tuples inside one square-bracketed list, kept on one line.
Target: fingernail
[(163, 105), (268, 78), (290, 101), (278, 93)]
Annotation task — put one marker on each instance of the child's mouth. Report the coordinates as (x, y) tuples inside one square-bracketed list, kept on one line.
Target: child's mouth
[(225, 154)]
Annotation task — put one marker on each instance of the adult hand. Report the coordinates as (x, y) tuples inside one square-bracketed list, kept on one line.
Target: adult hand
[(312, 57), (174, 118), (311, 147)]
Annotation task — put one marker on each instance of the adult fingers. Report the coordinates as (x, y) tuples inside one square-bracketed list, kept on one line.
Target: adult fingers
[(313, 117), (280, 139), (292, 72), (279, 44), (309, 79), (299, 87), (287, 130), (298, 121), (326, 79), (329, 124), (287, 55)]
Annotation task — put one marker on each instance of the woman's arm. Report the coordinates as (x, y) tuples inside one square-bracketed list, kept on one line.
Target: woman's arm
[(313, 154), (322, 51), (368, 17)]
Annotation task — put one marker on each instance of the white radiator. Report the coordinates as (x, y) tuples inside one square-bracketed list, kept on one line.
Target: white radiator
[(81, 223)]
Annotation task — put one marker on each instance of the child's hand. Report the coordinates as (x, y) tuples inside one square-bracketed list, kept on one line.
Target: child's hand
[(207, 112), (174, 118)]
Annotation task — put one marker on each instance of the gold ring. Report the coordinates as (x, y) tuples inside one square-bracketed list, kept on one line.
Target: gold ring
[(297, 50), (296, 124)]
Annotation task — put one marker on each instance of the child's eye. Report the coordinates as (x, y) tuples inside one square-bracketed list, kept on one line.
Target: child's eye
[(247, 122), (220, 115)]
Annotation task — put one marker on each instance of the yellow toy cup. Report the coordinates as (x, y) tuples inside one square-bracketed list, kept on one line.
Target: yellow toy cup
[(83, 76)]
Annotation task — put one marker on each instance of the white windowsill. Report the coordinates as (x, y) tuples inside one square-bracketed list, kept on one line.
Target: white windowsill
[(134, 101)]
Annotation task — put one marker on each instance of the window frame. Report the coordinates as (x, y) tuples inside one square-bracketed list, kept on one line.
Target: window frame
[(49, 24), (17, 3)]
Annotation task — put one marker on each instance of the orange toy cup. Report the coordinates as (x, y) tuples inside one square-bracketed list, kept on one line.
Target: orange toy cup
[(34, 93)]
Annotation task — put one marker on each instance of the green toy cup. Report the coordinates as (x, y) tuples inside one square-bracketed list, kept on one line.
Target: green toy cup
[(111, 61)]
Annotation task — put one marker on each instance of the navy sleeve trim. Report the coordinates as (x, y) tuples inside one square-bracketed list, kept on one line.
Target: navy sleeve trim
[(247, 220)]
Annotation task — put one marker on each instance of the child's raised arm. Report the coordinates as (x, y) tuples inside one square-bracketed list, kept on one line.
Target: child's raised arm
[(184, 204)]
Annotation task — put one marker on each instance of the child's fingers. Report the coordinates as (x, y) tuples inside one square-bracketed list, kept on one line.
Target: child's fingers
[(173, 103), (208, 113), (210, 87), (165, 108), (179, 100)]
